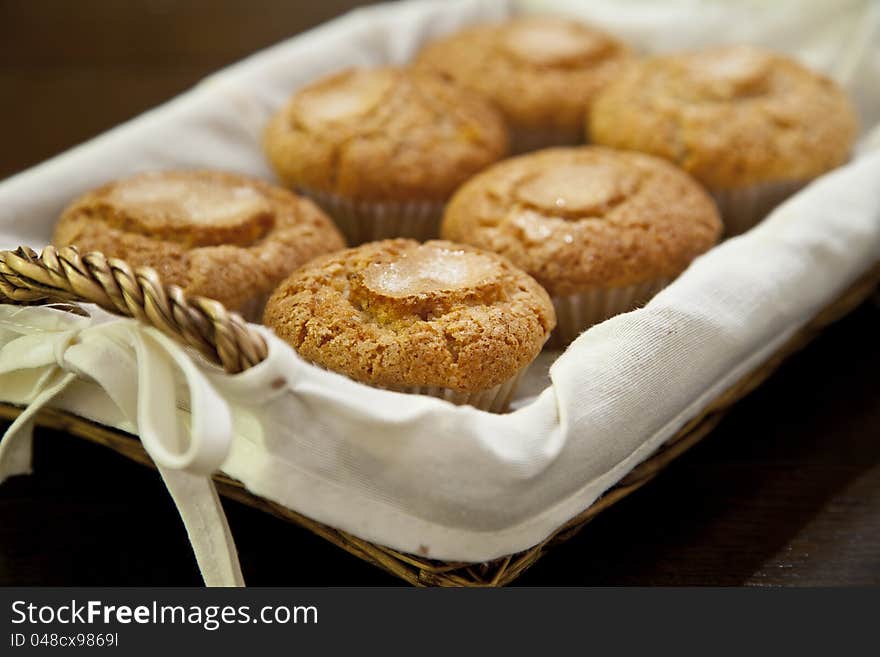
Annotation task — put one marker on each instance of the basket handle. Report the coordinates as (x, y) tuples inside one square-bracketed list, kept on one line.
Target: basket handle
[(222, 337)]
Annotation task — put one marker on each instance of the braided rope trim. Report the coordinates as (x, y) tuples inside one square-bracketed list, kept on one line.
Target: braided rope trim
[(205, 325)]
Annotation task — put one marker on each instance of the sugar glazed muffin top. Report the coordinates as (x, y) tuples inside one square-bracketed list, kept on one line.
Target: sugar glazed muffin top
[(384, 134), (215, 234), (588, 217), (398, 313), (541, 72), (732, 116)]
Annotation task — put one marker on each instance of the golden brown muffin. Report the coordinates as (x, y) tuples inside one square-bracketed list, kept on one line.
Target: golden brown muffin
[(541, 72), (600, 229), (735, 117), (372, 143), (435, 317), (215, 234)]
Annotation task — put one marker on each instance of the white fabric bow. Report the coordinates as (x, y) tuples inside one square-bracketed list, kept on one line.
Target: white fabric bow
[(155, 385)]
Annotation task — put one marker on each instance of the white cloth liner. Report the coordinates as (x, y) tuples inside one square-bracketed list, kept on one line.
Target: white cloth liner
[(411, 472)]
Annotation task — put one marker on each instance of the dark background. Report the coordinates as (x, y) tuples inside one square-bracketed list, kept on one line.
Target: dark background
[(785, 492)]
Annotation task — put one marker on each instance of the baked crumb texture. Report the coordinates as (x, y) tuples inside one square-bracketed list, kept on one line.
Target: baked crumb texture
[(398, 313), (542, 72), (583, 218), (217, 235), (732, 117), (384, 134)]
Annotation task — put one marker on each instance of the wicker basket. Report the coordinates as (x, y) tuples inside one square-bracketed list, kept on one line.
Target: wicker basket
[(27, 277)]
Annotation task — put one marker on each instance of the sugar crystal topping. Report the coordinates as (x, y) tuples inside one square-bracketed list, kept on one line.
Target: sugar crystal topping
[(732, 72), (189, 202), (549, 42), (344, 97), (428, 269), (579, 188)]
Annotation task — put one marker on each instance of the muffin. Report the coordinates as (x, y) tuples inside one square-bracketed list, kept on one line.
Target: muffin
[(601, 230), (383, 149), (437, 318), (750, 125), (215, 234), (541, 72)]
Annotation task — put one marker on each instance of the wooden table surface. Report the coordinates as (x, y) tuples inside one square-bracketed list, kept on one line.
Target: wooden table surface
[(785, 492)]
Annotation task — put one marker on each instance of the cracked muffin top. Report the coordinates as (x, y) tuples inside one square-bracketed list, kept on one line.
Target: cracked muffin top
[(215, 234), (397, 313), (586, 217), (384, 134), (542, 72), (732, 116)]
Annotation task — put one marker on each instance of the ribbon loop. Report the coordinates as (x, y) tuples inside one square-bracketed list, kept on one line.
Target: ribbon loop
[(210, 432), (143, 372)]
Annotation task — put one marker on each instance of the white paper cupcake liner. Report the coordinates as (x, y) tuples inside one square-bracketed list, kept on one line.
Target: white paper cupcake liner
[(578, 312), (742, 209), (494, 400), (367, 221), (524, 140)]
